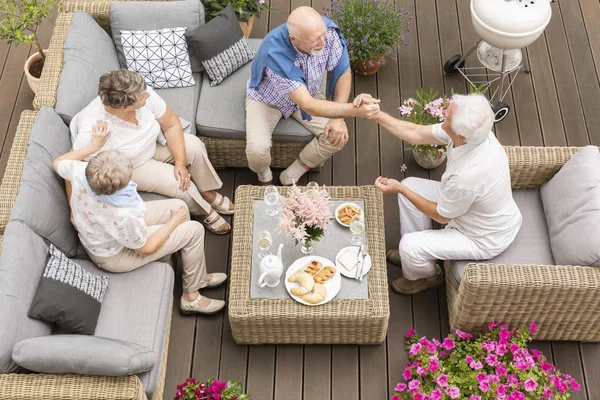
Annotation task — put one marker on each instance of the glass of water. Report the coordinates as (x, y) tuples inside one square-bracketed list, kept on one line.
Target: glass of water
[(310, 186), (264, 242), (272, 199), (357, 227)]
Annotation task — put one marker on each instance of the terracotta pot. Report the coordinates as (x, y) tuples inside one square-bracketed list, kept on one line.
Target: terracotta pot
[(429, 160), (32, 80), (368, 67), (247, 26)]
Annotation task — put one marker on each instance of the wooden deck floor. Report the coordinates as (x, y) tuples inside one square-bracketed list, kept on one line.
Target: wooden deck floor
[(556, 104)]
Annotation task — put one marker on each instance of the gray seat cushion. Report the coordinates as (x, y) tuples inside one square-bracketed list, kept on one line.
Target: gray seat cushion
[(22, 263), (136, 309), (572, 206), (183, 101), (150, 15), (148, 196), (42, 202), (88, 53), (82, 354), (222, 111), (532, 243)]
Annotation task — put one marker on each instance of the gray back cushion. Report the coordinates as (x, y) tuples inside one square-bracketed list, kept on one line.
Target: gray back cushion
[(149, 15), (83, 355), (42, 202), (22, 263), (88, 53), (572, 207)]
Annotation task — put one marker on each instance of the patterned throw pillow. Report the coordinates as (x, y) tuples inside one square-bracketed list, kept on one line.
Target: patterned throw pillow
[(68, 295), (220, 45), (160, 56)]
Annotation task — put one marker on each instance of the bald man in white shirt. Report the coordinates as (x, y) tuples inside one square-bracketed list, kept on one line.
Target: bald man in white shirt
[(474, 198)]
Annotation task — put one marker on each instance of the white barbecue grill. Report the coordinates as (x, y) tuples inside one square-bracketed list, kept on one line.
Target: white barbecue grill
[(505, 27)]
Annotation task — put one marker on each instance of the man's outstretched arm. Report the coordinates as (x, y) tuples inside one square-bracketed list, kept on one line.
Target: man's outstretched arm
[(332, 109)]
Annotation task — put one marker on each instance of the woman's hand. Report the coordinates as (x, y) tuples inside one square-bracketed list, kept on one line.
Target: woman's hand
[(179, 216), (182, 175), (100, 134), (389, 186)]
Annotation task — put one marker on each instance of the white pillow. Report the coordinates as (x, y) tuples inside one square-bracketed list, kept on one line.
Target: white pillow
[(160, 56)]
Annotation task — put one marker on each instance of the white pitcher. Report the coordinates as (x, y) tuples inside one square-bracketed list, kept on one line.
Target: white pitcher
[(271, 268)]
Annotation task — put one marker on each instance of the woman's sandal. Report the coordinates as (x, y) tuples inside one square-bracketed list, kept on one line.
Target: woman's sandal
[(213, 222), (221, 205)]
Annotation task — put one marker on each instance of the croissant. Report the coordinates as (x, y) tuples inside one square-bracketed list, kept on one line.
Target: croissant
[(318, 294), (305, 280), (313, 267), (325, 274)]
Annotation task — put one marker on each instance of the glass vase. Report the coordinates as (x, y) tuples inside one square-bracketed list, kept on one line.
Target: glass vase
[(306, 247)]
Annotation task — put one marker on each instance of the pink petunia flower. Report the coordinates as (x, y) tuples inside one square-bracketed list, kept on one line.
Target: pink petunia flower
[(575, 385), (421, 371), (442, 380), (395, 397), (463, 335), (469, 359), (436, 394), (474, 397), (501, 371), (484, 386), (179, 394), (415, 349), (481, 377), (407, 374), (547, 367), (453, 392), (410, 332), (434, 364), (492, 360), (492, 325), (547, 392), (400, 387), (504, 335), (501, 390), (532, 327), (431, 348), (448, 344), (488, 346), (476, 365), (501, 350), (530, 385), (516, 395), (513, 348), (413, 385), (512, 379)]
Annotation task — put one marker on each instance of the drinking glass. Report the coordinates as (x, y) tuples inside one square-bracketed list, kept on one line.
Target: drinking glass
[(272, 199), (264, 242), (310, 186), (357, 227)]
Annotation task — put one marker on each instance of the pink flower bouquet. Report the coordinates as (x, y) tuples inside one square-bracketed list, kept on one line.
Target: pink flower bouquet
[(213, 389), (304, 215), (496, 365)]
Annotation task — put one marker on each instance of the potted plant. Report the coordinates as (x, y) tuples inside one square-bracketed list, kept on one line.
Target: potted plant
[(372, 30), (213, 389), (305, 215), (18, 24), (245, 10), (496, 365)]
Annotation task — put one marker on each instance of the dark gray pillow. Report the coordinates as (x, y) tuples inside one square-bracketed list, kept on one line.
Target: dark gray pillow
[(68, 295), (82, 354), (571, 202), (220, 45), (150, 15)]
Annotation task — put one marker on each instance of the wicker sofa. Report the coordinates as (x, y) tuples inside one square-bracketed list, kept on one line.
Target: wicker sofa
[(564, 301), (19, 227), (219, 112)]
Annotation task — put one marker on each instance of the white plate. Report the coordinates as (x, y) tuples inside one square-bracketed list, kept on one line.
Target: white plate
[(362, 213), (333, 285), (352, 274)]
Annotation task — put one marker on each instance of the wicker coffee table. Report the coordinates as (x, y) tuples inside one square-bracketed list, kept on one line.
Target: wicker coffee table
[(258, 321)]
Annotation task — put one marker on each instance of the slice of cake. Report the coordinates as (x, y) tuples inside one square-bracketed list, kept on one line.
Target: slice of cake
[(349, 259)]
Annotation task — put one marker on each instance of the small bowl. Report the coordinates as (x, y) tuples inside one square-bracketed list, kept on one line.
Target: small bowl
[(361, 214)]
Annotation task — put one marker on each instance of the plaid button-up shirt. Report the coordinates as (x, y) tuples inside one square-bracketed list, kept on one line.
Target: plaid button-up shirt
[(274, 89)]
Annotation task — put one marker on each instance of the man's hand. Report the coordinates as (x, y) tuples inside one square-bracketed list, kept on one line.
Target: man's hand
[(364, 98), (100, 134), (182, 175), (366, 106), (337, 132), (389, 186)]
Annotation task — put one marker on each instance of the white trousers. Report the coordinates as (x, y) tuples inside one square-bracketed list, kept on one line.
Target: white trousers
[(421, 246)]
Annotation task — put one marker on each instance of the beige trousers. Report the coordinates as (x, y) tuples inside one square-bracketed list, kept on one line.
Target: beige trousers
[(156, 175), (188, 238), (261, 120)]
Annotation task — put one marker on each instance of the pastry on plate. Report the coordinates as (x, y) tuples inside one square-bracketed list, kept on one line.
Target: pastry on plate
[(346, 213), (313, 267), (318, 295), (349, 259), (306, 282), (325, 274)]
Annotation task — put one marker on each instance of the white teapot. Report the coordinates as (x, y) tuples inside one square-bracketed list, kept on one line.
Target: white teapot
[(271, 268)]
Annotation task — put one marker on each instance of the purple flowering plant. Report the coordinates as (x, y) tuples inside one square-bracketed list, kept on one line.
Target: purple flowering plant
[(495, 365), (373, 29), (213, 389)]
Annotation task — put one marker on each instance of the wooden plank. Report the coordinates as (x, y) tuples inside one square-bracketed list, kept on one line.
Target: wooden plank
[(401, 320), (450, 44), (344, 373), (234, 358), (583, 64), (261, 371), (591, 15), (317, 372), (281, 10), (528, 119), (567, 360), (288, 374), (367, 137), (564, 80), (373, 372), (261, 25), (590, 360)]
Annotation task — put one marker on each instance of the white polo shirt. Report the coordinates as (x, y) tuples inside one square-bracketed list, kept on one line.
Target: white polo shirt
[(477, 195)]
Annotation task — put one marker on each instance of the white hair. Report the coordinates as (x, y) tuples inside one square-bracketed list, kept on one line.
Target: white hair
[(472, 117)]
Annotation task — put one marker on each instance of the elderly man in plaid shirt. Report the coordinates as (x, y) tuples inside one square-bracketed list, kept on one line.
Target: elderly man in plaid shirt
[(286, 76)]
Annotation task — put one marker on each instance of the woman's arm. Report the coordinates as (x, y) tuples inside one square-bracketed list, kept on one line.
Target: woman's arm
[(158, 238), (100, 135), (171, 127)]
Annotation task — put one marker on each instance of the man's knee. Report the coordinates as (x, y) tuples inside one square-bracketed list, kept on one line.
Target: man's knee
[(411, 182), (257, 153), (410, 247)]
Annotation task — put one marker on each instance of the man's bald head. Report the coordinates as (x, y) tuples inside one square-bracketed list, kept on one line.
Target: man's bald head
[(307, 29)]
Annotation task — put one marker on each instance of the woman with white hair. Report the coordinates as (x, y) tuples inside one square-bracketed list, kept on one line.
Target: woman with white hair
[(122, 233), (474, 198), (173, 164)]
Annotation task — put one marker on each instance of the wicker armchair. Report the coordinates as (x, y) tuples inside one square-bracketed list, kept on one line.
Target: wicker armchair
[(564, 301)]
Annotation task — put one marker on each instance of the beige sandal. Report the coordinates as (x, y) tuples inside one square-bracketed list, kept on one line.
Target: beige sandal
[(213, 223), (221, 205)]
